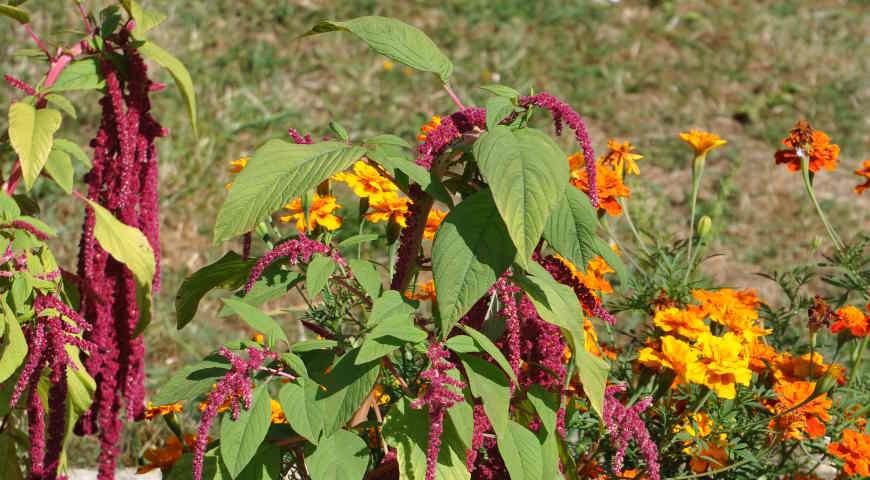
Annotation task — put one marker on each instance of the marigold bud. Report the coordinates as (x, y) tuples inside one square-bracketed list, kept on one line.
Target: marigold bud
[(705, 225)]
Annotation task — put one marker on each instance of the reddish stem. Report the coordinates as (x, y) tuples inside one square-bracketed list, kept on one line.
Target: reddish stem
[(88, 27), (37, 40), (14, 178), (454, 97)]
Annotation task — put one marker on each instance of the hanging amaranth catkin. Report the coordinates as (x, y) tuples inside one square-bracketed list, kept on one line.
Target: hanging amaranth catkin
[(124, 181)]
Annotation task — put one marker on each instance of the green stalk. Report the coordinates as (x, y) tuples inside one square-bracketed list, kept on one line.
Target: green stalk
[(808, 185), (631, 226), (697, 173), (856, 369)]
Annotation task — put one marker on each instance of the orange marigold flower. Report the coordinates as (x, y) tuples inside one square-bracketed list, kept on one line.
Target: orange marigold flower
[(320, 213), (594, 276), (388, 205), (675, 355), (761, 356), (863, 172), (854, 320), (152, 411), (854, 451), (815, 143), (622, 158), (428, 127), (590, 343), (277, 412), (809, 418), (236, 166), (711, 456), (790, 369), (702, 142), (607, 180), (425, 291), (725, 363), (365, 180), (165, 457), (736, 310), (687, 323), (433, 221)]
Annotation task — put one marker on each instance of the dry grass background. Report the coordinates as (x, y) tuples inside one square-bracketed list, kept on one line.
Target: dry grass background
[(639, 71)]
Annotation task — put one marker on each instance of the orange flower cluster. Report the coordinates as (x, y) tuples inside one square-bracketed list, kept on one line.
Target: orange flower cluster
[(803, 139), (236, 166), (152, 411), (165, 457), (428, 127), (385, 204), (706, 454), (794, 415), (425, 291), (852, 319), (433, 221), (864, 173), (622, 158), (854, 451), (702, 142), (607, 180), (320, 213)]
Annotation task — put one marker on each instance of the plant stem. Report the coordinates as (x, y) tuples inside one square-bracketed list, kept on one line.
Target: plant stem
[(808, 185), (702, 401), (37, 40), (856, 369), (697, 173), (631, 226), (454, 97)]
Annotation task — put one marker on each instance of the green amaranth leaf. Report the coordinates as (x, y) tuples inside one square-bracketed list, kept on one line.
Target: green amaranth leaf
[(395, 40), (179, 74), (240, 438), (340, 456), (229, 272), (84, 74), (31, 133)]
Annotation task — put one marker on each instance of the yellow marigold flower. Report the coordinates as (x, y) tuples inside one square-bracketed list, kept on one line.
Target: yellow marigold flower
[(736, 310), (702, 142), (165, 457), (365, 180), (607, 180), (152, 411), (433, 221), (425, 291), (725, 363), (258, 338), (428, 127), (697, 425), (566, 354), (388, 65), (388, 205), (809, 418), (590, 343), (236, 166), (621, 157), (686, 323), (864, 173), (675, 355), (277, 412), (761, 356), (320, 213)]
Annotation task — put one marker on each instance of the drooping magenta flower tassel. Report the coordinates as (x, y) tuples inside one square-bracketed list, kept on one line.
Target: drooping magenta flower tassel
[(625, 425), (562, 112), (235, 388), (448, 131), (438, 397), (298, 250), (562, 274)]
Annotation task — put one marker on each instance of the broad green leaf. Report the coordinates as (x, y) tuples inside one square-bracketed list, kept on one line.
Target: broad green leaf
[(278, 172), (487, 346), (18, 14), (502, 91), (257, 320), (389, 334), (179, 74), (339, 130), (240, 438), (558, 305), (497, 109), (471, 250), (523, 168), (229, 272), (192, 380), (340, 456), (31, 133), (390, 304), (395, 40), (521, 451), (72, 150), (318, 273), (62, 103), (546, 404), (346, 385), (129, 246), (145, 19), (312, 345), (462, 344), (301, 409), (488, 383), (387, 139), (365, 273), (275, 282), (407, 430), (295, 363), (80, 385), (571, 231), (82, 74), (211, 467), (59, 166), (14, 347)]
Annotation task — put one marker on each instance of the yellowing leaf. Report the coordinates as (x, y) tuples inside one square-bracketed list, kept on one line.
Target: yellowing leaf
[(31, 133)]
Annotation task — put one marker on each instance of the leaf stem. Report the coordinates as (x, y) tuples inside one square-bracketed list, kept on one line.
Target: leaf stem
[(37, 40), (454, 97)]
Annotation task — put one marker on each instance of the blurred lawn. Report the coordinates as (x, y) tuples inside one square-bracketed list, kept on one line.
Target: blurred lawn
[(640, 71)]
